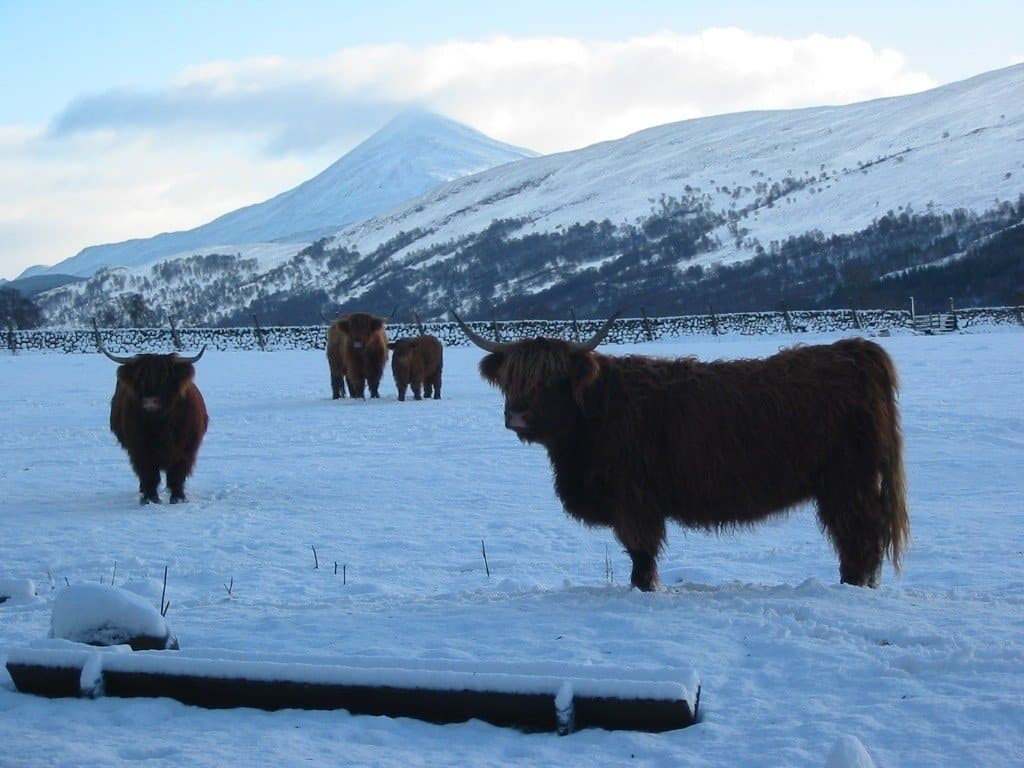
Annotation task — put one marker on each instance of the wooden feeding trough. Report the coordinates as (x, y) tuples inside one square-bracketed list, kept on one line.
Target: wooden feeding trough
[(533, 697)]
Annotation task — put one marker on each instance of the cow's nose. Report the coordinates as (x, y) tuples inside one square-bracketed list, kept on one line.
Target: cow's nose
[(515, 419), (151, 404)]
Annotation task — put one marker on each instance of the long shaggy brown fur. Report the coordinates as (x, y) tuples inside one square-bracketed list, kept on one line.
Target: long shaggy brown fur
[(336, 339), (159, 417), (417, 362), (635, 441), (364, 351)]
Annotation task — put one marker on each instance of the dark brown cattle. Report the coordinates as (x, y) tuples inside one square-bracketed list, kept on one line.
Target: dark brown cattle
[(417, 362), (364, 347), (635, 441), (336, 338), (159, 417)]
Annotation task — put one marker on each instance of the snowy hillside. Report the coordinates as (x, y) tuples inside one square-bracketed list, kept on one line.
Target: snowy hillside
[(414, 152), (924, 671), (830, 168), (811, 207)]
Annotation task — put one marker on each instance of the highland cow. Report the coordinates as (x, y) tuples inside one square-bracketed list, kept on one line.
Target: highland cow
[(364, 351), (635, 441), (159, 417), (416, 363)]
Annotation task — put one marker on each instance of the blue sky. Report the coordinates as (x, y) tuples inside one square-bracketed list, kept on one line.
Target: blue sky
[(123, 119)]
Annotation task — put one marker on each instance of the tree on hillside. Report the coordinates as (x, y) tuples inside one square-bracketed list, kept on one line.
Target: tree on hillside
[(18, 310)]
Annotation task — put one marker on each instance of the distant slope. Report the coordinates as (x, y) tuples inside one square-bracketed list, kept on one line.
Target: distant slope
[(414, 152), (814, 206), (30, 286)]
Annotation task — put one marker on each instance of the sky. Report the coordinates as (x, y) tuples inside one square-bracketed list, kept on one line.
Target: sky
[(121, 120)]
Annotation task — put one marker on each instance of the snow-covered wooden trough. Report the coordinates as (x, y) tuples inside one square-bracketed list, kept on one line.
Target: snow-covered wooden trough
[(534, 697)]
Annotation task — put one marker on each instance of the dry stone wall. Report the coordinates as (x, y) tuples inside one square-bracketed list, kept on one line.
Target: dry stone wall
[(624, 331)]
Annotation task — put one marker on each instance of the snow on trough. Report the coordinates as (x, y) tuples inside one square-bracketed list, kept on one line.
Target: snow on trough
[(925, 670), (104, 615)]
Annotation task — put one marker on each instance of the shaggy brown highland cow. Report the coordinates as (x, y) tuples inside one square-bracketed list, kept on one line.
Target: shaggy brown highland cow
[(635, 441), (336, 339), (159, 417), (364, 351), (417, 362)]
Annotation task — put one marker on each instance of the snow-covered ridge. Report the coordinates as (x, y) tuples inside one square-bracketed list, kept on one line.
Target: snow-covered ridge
[(957, 146)]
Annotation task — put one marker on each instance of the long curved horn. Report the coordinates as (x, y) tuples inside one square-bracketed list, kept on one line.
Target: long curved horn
[(591, 344), (115, 358), (480, 341), (194, 359)]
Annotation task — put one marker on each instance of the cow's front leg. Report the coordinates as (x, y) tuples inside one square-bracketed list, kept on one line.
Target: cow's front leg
[(374, 387), (643, 539), (337, 387), (357, 387), (176, 481), (644, 575), (149, 482)]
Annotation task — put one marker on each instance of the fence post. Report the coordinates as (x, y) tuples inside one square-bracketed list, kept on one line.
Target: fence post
[(575, 325), (856, 318), (258, 332), (175, 338), (12, 343), (647, 324), (714, 319), (96, 335), (913, 314), (785, 316), (1020, 315), (494, 327), (952, 311), (419, 325)]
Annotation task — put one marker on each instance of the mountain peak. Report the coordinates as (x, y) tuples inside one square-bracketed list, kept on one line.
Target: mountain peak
[(415, 151)]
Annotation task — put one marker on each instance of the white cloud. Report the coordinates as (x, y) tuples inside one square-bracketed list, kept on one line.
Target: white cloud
[(58, 197), (131, 163)]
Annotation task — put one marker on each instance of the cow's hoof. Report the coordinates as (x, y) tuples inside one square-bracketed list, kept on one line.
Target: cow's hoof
[(149, 500), (178, 499), (646, 586)]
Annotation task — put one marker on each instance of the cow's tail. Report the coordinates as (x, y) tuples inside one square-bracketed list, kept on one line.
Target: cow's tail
[(893, 479)]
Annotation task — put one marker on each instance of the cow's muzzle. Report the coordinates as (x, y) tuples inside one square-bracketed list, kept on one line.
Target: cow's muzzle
[(515, 420), (151, 404)]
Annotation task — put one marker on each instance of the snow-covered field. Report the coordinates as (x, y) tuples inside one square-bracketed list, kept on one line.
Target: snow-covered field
[(927, 670)]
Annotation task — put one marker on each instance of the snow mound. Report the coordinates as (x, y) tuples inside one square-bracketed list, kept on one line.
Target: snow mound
[(848, 752), (17, 588), (97, 614)]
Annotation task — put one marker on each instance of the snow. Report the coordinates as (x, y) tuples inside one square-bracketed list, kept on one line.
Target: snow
[(848, 752), (22, 589), (925, 670), (87, 613)]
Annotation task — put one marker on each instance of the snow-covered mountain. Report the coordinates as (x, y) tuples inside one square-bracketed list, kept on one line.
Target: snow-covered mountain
[(414, 152), (809, 206)]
